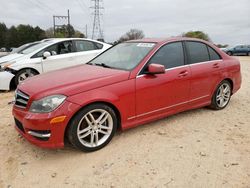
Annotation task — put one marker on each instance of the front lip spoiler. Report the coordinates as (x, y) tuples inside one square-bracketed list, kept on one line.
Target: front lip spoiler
[(39, 135)]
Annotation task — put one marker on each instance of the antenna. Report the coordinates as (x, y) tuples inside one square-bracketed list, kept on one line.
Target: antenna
[(97, 32)]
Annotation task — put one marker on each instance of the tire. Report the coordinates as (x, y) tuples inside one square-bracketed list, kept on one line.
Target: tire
[(23, 75), (221, 96), (230, 53), (92, 128)]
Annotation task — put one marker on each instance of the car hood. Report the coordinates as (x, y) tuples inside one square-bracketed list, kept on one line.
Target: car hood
[(71, 81), (10, 57)]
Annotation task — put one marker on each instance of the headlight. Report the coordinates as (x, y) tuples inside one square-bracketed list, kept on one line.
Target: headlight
[(47, 104)]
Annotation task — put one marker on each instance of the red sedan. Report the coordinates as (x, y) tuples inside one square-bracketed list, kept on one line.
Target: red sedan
[(130, 84)]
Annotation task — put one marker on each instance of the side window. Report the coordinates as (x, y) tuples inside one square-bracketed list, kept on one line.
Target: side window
[(84, 46), (213, 54), (197, 52), (98, 45), (57, 49), (171, 55), (53, 49), (65, 47)]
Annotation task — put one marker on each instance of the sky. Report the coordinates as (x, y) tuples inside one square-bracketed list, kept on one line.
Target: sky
[(225, 21)]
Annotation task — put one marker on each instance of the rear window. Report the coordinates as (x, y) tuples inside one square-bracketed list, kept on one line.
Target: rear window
[(213, 54), (197, 52)]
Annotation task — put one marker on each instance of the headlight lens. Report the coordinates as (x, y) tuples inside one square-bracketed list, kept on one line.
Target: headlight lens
[(47, 104)]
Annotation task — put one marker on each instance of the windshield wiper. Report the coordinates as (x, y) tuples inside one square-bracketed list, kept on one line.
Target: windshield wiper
[(103, 65)]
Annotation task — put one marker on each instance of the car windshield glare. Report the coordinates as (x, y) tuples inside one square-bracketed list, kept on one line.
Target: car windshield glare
[(35, 47), (125, 56)]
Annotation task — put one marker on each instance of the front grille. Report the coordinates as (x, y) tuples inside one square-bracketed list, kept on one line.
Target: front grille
[(19, 125), (21, 99)]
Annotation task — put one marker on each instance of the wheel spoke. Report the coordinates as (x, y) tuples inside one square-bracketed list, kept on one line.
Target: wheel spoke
[(104, 127), (92, 138), (221, 101), (103, 132), (87, 120), (85, 135), (84, 130), (96, 138), (91, 117), (102, 117), (218, 97)]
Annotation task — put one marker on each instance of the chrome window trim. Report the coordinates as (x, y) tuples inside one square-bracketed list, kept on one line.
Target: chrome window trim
[(205, 62), (164, 108)]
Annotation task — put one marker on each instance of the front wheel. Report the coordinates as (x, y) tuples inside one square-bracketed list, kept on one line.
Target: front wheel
[(92, 128), (221, 96), (23, 75)]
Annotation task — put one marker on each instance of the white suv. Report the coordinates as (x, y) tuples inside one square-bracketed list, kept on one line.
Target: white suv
[(49, 55)]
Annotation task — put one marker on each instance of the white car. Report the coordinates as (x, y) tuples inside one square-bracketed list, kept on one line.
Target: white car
[(47, 56)]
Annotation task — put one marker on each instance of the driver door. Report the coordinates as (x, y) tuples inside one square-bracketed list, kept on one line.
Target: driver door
[(62, 56)]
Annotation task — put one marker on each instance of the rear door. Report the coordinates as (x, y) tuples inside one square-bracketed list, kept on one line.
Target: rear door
[(206, 66), (163, 93), (86, 50)]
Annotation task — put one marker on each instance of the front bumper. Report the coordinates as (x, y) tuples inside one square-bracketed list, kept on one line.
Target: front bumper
[(38, 129), (5, 79)]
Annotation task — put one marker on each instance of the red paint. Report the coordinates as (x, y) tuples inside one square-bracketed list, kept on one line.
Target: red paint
[(138, 99)]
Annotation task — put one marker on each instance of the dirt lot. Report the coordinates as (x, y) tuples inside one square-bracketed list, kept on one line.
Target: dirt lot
[(198, 148)]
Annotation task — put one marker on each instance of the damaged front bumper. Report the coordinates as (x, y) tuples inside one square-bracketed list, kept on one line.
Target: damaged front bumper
[(5, 80)]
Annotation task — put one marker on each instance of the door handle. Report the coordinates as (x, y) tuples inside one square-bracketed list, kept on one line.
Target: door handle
[(216, 65), (183, 73)]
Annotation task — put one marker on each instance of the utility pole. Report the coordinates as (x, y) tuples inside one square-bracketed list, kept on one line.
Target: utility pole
[(97, 32), (86, 32), (55, 26)]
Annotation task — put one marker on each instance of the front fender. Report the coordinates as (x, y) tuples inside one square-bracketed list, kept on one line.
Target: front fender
[(120, 95), (5, 79)]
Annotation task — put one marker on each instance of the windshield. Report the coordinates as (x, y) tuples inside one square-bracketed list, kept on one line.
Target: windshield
[(35, 47), (23, 47), (125, 56)]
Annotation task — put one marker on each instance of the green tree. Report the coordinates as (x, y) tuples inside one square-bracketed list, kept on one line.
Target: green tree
[(12, 37), (3, 33), (197, 34)]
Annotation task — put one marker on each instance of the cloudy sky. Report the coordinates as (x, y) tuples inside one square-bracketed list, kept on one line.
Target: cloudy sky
[(225, 21)]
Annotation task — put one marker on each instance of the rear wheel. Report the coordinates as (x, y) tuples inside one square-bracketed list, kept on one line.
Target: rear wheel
[(23, 75), (230, 53), (221, 96), (92, 128)]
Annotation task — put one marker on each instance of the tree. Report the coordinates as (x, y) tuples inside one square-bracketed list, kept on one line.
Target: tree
[(65, 31), (197, 34), (3, 33), (222, 45), (132, 34)]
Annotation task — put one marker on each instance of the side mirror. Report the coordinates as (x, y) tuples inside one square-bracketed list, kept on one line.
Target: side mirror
[(46, 54), (156, 69)]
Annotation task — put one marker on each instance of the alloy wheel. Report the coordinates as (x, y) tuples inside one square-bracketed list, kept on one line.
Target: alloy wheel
[(223, 95), (28, 73), (95, 128)]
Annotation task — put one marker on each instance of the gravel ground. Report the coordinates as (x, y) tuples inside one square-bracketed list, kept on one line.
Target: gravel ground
[(198, 148)]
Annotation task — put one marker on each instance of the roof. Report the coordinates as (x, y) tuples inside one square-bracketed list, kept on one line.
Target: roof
[(163, 40)]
